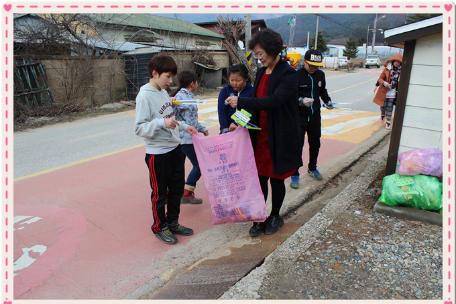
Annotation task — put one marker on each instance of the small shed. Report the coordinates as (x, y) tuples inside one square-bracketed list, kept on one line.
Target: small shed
[(418, 117), (137, 68), (210, 76)]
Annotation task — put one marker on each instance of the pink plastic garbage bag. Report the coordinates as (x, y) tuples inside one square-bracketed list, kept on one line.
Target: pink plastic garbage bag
[(230, 175), (421, 161)]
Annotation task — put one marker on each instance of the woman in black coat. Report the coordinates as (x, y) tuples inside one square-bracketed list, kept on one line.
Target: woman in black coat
[(275, 110)]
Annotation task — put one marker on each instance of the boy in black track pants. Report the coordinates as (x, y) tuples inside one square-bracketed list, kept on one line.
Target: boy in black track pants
[(156, 123), (311, 87)]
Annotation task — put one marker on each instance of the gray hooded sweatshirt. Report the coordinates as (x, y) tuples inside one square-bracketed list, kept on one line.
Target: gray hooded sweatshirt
[(152, 107)]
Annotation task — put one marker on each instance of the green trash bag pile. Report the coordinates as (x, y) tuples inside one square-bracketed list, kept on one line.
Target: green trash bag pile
[(419, 191)]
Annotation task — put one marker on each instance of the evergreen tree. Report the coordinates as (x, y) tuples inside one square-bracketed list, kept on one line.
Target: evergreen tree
[(350, 49), (321, 43)]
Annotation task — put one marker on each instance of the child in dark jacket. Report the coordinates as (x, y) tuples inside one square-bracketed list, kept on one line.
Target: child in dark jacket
[(239, 85)]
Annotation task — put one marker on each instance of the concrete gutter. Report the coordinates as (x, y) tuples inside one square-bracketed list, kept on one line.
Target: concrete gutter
[(409, 213), (285, 255), (334, 168)]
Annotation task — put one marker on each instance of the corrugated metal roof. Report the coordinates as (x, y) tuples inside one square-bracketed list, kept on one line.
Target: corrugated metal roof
[(413, 26), (148, 50), (117, 45), (155, 22)]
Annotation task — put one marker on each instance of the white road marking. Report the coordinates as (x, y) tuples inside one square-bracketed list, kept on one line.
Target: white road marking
[(25, 260), (331, 114), (348, 125), (208, 110), (20, 219)]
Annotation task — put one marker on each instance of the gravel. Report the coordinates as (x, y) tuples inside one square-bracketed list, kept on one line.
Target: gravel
[(365, 255)]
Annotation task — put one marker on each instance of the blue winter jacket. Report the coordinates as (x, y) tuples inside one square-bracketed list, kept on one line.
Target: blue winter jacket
[(189, 114), (225, 111)]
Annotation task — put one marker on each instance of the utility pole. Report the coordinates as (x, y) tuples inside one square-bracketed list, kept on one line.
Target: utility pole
[(316, 31), (367, 40), (308, 39), (247, 30), (292, 24), (374, 32)]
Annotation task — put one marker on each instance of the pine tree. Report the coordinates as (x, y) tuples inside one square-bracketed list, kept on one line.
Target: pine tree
[(350, 49), (321, 43)]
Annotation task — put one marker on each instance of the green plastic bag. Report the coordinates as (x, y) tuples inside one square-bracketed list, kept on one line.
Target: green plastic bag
[(419, 191)]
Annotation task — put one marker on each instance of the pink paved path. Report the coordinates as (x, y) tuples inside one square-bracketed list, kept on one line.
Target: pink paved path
[(95, 220)]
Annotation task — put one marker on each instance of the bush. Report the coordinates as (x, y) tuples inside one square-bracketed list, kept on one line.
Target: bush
[(22, 112)]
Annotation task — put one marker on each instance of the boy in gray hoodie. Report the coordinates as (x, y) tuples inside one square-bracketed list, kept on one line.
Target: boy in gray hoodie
[(155, 122)]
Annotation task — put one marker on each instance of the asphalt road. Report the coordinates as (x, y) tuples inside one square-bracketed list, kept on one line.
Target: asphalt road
[(354, 90), (39, 150)]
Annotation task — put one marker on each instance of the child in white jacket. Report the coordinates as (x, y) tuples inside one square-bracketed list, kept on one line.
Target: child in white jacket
[(188, 84)]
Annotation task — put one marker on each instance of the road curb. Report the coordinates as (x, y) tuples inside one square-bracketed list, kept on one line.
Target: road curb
[(296, 198), (409, 213), (289, 251)]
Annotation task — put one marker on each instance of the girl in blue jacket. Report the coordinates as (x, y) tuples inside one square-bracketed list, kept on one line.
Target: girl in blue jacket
[(239, 85)]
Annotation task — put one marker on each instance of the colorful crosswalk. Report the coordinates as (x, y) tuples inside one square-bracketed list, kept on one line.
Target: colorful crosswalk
[(341, 123)]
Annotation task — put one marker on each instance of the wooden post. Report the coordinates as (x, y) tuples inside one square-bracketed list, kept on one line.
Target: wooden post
[(407, 60)]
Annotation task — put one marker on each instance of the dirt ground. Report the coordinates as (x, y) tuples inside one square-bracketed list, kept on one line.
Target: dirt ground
[(366, 255)]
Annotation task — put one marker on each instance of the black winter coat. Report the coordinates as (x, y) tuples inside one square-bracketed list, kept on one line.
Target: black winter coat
[(282, 109), (312, 86)]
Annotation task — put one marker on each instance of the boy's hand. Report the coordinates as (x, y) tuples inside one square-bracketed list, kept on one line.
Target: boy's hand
[(329, 105), (171, 122), (192, 130), (232, 127), (206, 133)]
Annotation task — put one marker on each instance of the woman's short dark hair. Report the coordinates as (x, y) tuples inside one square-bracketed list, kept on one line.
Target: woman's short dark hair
[(162, 64), (240, 69), (269, 41)]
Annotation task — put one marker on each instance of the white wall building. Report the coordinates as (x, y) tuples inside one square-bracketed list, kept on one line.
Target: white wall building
[(418, 117)]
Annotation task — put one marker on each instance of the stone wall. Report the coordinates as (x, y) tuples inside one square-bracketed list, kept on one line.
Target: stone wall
[(87, 80)]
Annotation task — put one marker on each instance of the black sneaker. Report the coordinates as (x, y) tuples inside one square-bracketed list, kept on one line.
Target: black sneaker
[(256, 229), (179, 229), (166, 236), (191, 200), (273, 224)]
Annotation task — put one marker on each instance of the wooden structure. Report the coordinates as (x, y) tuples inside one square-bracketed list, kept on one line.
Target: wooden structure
[(30, 84), (418, 117)]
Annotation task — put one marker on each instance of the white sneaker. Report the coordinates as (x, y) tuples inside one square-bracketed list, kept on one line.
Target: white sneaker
[(388, 125)]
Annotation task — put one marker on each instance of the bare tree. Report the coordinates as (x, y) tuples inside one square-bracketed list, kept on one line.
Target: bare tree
[(56, 32), (78, 38), (233, 29)]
